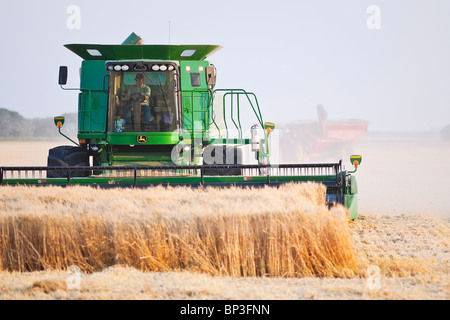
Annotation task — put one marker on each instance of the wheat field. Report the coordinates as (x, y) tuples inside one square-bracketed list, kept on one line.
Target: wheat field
[(276, 232), (232, 244)]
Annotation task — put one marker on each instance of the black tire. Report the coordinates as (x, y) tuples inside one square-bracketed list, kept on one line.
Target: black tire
[(61, 151), (77, 159), (56, 162), (67, 156)]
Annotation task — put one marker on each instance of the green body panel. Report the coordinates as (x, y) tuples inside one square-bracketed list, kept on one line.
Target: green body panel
[(158, 52), (131, 138), (92, 136), (153, 158), (93, 100), (133, 38), (351, 203), (194, 99), (92, 74), (353, 185), (351, 200)]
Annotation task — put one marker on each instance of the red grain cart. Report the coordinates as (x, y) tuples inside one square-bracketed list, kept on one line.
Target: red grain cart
[(320, 140)]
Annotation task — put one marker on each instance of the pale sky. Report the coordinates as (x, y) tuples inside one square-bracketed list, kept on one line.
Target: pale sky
[(293, 54)]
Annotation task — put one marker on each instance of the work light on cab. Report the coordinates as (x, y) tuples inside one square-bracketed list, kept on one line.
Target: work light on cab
[(59, 121)]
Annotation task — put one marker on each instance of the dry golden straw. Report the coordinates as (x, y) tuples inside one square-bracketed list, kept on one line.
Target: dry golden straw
[(277, 232)]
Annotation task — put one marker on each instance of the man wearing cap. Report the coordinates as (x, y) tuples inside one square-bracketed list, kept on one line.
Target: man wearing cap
[(138, 95)]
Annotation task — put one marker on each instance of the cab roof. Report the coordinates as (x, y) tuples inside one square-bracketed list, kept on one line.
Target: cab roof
[(157, 52)]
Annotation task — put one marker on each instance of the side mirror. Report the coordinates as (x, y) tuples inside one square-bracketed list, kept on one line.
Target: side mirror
[(62, 78)]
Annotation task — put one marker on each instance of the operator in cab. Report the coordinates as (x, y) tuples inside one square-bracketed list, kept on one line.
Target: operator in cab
[(138, 97)]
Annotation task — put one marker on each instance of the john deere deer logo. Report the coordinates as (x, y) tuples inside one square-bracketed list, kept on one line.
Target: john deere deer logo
[(141, 138)]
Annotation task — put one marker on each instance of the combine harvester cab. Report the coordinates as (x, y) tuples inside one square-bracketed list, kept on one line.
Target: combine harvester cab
[(150, 115)]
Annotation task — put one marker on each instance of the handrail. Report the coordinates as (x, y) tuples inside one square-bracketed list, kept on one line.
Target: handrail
[(236, 119), (236, 92)]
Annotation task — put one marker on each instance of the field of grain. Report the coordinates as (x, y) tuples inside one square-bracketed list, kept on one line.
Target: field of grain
[(234, 244), (283, 232)]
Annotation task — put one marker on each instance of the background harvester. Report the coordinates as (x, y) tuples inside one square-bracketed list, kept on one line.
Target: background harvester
[(150, 115)]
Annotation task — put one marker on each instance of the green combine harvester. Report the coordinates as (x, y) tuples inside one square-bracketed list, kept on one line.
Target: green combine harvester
[(150, 115)]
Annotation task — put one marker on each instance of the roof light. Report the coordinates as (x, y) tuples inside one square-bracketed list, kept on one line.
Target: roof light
[(187, 53), (155, 67), (125, 67), (117, 67), (163, 67), (170, 68), (94, 52), (110, 67)]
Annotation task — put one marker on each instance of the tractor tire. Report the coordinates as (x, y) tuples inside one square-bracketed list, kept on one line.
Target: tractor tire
[(60, 151), (67, 156)]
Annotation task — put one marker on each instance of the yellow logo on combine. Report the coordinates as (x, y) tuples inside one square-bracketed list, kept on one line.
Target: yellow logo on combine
[(141, 138)]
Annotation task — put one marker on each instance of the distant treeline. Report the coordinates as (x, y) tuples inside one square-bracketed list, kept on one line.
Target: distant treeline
[(13, 125)]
